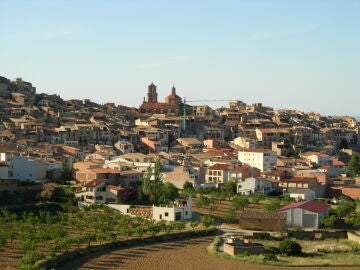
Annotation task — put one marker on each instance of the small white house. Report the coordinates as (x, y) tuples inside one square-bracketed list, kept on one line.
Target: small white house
[(306, 214), (181, 210), (300, 194), (97, 191), (251, 185), (28, 169)]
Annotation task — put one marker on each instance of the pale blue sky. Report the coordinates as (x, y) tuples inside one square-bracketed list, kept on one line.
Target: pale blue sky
[(286, 54)]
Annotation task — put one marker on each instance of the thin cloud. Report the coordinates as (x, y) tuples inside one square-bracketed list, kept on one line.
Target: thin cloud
[(46, 33), (290, 32), (171, 60)]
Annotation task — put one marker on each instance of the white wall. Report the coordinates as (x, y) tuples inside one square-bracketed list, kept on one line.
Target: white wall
[(25, 169)]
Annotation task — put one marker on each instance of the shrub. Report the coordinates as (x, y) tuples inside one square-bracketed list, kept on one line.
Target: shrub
[(270, 257), (290, 248), (273, 250)]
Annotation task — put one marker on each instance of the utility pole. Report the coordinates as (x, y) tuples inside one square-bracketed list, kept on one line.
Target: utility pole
[(184, 117)]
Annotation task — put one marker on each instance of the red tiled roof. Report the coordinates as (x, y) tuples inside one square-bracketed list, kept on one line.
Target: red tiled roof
[(298, 179), (104, 170), (240, 168), (337, 162), (257, 150), (273, 130), (114, 187), (312, 206), (95, 183), (158, 105), (219, 167), (325, 167)]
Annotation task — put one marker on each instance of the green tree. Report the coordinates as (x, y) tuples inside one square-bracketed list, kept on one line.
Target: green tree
[(240, 202), (168, 193), (290, 248), (152, 181), (345, 208), (329, 221), (353, 165), (257, 197), (188, 189), (194, 224), (353, 220), (229, 215), (207, 221), (273, 205), (230, 188)]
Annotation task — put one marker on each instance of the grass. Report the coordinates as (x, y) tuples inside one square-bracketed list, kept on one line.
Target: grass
[(329, 252)]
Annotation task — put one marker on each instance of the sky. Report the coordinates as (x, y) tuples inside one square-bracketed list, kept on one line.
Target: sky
[(286, 54)]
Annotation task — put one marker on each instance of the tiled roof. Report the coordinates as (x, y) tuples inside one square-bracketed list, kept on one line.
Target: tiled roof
[(219, 167), (114, 187), (298, 179), (248, 213), (257, 150), (95, 183), (273, 130), (158, 105), (312, 206), (104, 170), (240, 168)]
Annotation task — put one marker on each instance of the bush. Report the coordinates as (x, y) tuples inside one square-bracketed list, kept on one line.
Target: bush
[(270, 257), (290, 248), (273, 250)]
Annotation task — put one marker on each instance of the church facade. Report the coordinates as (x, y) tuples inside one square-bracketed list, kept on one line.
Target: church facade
[(171, 106)]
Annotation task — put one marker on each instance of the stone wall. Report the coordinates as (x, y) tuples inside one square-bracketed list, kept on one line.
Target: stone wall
[(353, 237)]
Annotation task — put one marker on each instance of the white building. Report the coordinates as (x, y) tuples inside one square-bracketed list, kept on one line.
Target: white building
[(251, 185), (307, 214), (263, 159), (27, 169), (181, 210), (97, 191), (300, 194)]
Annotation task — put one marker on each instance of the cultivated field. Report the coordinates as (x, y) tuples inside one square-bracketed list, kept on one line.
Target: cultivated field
[(176, 255)]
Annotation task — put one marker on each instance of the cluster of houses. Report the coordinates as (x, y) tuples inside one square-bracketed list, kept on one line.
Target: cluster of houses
[(108, 147)]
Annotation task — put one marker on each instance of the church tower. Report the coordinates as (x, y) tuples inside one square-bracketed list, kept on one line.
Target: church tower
[(151, 94)]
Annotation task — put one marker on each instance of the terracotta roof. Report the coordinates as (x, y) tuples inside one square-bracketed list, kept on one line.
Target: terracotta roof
[(337, 162), (297, 179), (325, 167), (273, 130), (312, 206), (158, 105), (104, 170), (257, 150), (248, 213), (114, 187), (240, 168), (219, 167), (95, 183)]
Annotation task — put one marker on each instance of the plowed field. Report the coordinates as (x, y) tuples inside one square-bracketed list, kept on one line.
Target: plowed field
[(183, 254)]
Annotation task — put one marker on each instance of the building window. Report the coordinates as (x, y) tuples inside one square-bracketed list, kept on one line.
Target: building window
[(186, 212), (166, 214)]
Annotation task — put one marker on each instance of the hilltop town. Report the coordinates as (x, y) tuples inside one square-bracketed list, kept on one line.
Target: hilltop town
[(106, 152), (41, 133)]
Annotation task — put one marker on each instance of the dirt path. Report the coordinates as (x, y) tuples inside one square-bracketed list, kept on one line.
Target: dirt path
[(187, 254)]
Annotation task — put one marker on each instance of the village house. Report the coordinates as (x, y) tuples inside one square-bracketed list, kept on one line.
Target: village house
[(110, 175), (252, 185), (294, 183), (179, 175), (317, 159), (273, 220), (97, 191), (180, 210), (266, 136), (306, 214), (263, 159)]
